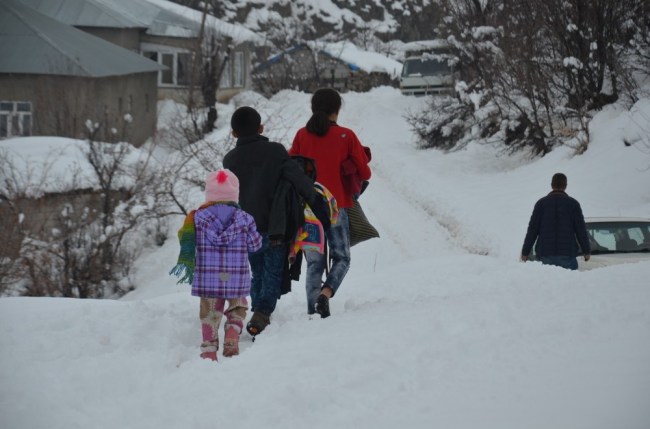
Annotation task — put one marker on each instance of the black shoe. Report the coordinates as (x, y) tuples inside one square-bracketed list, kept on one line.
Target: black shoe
[(322, 306), (258, 322)]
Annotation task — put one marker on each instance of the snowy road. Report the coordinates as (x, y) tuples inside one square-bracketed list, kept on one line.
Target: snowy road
[(437, 324)]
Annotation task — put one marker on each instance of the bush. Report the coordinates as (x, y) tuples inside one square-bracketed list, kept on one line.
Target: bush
[(442, 125), (541, 67)]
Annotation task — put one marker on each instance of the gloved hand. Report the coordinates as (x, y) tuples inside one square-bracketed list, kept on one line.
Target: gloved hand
[(321, 210)]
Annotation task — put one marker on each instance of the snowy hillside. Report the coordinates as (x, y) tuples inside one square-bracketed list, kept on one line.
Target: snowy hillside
[(391, 19), (438, 325)]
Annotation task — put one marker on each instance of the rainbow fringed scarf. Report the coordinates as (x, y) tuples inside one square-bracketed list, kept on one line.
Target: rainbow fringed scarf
[(184, 267)]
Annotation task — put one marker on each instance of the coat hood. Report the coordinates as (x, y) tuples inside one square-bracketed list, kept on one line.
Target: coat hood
[(225, 223)]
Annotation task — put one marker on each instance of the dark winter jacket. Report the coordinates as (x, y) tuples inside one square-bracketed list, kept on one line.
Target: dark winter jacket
[(287, 213), (260, 165), (556, 223), (288, 209)]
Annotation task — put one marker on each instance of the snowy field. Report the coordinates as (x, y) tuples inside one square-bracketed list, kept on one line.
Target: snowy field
[(438, 325)]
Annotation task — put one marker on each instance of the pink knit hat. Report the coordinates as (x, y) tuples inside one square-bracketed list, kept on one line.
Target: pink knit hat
[(222, 185)]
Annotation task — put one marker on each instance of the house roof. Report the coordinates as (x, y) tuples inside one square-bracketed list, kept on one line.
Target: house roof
[(155, 17), (84, 13), (347, 53), (238, 33), (32, 43), (124, 14), (298, 47)]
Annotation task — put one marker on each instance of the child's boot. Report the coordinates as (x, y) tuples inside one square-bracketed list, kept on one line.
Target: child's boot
[(209, 355), (209, 350), (231, 341)]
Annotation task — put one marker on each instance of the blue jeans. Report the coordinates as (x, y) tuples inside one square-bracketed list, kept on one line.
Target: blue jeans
[(267, 269), (568, 262), (338, 242)]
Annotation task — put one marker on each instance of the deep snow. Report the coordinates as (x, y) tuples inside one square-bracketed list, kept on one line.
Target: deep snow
[(437, 324)]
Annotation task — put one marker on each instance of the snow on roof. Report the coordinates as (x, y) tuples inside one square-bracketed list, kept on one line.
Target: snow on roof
[(158, 17), (353, 56), (419, 45), (365, 60), (237, 33)]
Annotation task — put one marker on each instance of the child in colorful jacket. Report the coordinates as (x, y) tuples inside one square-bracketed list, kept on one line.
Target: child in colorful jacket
[(215, 242)]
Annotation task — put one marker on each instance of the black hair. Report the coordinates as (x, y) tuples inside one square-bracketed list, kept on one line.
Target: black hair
[(246, 121), (559, 181), (324, 102)]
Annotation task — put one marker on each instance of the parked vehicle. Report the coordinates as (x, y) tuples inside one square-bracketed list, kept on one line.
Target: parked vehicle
[(426, 68), (615, 240)]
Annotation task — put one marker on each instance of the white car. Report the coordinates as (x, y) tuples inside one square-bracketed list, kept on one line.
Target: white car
[(616, 240)]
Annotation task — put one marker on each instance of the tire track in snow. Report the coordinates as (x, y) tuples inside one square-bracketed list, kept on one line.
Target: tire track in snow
[(396, 165), (452, 228)]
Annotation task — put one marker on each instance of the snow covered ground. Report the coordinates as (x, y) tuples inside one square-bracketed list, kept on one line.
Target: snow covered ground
[(438, 325)]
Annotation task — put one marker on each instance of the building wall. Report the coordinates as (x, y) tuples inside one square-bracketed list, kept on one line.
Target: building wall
[(180, 93), (135, 39), (61, 105), (128, 38), (188, 43)]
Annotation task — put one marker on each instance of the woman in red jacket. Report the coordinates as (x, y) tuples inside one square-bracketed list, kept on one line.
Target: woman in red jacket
[(330, 145)]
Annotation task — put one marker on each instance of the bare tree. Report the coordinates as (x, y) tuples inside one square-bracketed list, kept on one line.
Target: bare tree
[(93, 237), (536, 71)]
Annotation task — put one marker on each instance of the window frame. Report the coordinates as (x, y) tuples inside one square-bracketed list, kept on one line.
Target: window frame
[(161, 52), (16, 117), (238, 70), (606, 234)]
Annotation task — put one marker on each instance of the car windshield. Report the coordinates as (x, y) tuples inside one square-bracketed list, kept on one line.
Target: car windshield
[(619, 237), (425, 67)]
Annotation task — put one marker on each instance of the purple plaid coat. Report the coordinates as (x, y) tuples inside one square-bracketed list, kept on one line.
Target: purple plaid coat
[(224, 237)]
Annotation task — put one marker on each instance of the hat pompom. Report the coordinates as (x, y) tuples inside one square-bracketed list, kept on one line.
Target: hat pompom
[(222, 176), (222, 185)]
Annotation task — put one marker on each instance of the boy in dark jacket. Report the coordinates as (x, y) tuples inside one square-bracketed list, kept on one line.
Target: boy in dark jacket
[(261, 166), (556, 223)]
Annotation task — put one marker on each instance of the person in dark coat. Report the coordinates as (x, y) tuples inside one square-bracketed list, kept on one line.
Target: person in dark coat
[(556, 227), (262, 166)]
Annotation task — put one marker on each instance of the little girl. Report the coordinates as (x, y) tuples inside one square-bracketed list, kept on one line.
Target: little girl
[(215, 241)]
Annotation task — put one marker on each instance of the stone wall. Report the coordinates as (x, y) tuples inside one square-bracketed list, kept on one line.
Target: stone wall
[(40, 217)]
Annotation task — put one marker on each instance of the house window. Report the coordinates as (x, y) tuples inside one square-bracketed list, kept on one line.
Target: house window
[(167, 75), (183, 68), (15, 118), (179, 66), (238, 70), (224, 82)]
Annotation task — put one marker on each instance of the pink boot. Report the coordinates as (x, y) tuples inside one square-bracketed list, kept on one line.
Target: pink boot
[(209, 355), (231, 342)]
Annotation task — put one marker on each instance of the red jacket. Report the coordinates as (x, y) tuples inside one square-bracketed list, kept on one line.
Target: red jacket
[(329, 152)]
